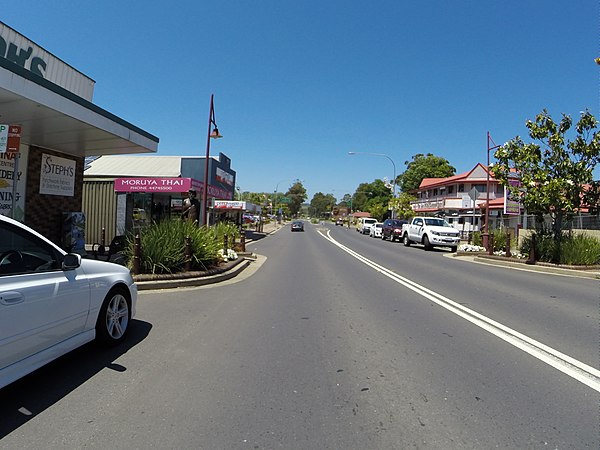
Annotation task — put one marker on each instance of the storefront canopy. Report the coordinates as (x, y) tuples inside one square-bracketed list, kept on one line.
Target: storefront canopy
[(55, 118)]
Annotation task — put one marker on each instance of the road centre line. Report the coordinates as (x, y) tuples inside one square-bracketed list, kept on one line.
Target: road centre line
[(564, 363)]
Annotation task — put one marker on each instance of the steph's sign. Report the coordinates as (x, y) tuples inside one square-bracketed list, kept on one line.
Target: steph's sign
[(57, 176)]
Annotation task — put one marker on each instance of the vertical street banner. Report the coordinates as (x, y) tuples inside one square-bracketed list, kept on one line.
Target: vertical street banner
[(512, 197), (13, 184)]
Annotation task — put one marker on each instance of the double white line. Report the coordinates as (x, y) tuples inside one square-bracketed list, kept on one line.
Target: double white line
[(570, 366)]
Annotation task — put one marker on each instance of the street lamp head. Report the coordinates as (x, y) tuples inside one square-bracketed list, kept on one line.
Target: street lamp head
[(215, 134)]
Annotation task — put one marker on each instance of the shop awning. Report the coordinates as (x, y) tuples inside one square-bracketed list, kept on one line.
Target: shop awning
[(54, 118)]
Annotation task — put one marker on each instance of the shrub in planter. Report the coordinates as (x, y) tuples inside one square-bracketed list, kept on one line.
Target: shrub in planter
[(580, 249), (163, 247), (575, 249)]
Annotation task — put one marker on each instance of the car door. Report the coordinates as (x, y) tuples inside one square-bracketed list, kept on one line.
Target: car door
[(40, 304), (416, 229)]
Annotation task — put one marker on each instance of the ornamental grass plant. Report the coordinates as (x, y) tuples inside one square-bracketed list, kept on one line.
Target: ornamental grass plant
[(575, 249), (163, 246)]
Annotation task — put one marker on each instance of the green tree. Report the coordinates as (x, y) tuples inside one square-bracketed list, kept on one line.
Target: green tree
[(297, 195), (372, 197), (402, 206), (554, 170), (423, 166), (322, 203)]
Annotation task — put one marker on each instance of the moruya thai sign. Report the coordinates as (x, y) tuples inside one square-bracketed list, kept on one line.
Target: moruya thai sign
[(150, 185)]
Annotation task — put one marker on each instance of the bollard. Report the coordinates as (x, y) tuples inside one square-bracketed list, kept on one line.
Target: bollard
[(243, 241), (225, 246), (137, 254), (508, 255), (531, 259), (103, 237), (188, 254)]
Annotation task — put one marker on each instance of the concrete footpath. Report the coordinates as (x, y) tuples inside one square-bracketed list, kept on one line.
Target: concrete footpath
[(588, 272)]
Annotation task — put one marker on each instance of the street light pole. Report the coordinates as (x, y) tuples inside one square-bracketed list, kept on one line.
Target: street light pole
[(212, 134), (275, 196), (393, 165), (485, 237)]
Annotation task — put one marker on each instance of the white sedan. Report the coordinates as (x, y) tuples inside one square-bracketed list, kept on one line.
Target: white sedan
[(52, 302), (375, 230)]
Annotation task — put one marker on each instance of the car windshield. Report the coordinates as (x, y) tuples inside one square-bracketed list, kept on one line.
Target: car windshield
[(437, 223)]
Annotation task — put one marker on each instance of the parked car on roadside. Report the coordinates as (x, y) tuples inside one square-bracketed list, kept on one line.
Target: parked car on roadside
[(431, 232), (375, 230), (52, 302), (364, 223), (392, 229), (340, 222)]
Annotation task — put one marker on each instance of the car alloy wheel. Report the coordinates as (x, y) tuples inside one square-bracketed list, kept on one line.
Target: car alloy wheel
[(113, 320)]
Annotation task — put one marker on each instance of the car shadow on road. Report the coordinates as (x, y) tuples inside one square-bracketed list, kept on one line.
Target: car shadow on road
[(26, 398), (255, 235)]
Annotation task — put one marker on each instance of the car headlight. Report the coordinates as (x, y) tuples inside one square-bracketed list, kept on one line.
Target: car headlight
[(437, 233)]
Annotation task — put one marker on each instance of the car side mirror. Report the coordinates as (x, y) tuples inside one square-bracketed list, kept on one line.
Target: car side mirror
[(71, 261)]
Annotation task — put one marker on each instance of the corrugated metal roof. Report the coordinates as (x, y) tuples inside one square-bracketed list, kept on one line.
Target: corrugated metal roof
[(135, 166)]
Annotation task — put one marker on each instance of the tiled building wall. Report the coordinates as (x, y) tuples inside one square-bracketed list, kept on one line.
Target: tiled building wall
[(43, 213)]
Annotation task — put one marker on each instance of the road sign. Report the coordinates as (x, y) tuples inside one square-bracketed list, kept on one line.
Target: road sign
[(14, 139), (474, 194), (284, 200)]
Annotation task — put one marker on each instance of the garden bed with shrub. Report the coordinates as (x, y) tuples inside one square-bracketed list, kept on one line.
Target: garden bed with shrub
[(163, 247)]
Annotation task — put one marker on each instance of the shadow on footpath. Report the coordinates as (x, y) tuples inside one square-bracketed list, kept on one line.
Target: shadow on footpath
[(26, 398)]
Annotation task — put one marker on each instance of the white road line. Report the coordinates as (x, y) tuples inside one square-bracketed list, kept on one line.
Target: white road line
[(570, 366)]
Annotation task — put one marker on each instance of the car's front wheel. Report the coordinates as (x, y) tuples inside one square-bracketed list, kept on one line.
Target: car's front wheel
[(426, 243), (114, 317), (406, 240)]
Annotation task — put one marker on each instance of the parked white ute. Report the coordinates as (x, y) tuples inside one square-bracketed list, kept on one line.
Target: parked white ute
[(431, 232)]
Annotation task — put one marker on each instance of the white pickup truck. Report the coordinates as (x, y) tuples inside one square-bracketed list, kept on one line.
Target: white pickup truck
[(431, 232)]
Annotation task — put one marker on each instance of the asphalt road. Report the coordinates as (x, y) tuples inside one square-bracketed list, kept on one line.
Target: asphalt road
[(341, 342)]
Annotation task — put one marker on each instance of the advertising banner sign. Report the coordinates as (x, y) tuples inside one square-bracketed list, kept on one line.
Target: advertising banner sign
[(57, 176), (12, 185), (512, 201), (223, 204), (153, 184)]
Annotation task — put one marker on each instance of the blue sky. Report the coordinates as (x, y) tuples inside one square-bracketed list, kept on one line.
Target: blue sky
[(299, 84)]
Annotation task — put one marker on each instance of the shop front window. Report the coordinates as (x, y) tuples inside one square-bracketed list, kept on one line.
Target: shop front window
[(142, 209)]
